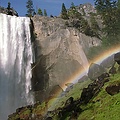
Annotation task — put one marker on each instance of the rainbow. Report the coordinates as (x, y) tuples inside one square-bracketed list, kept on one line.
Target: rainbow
[(99, 58)]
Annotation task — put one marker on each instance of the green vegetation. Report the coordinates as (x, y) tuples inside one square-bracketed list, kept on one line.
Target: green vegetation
[(75, 19), (30, 9), (103, 106), (94, 26), (75, 93), (39, 12), (31, 12), (109, 10), (64, 14), (8, 8), (72, 12), (45, 12)]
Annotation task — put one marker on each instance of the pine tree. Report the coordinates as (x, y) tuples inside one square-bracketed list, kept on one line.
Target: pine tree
[(108, 11), (39, 12), (30, 9), (45, 12), (9, 6), (64, 14), (94, 26), (73, 13), (9, 12), (72, 5)]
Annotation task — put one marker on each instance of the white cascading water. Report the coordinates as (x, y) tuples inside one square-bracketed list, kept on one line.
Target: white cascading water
[(15, 64)]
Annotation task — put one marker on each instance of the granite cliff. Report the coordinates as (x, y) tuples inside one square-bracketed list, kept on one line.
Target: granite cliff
[(60, 51)]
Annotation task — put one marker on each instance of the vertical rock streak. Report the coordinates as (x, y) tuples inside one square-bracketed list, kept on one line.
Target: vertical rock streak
[(15, 60)]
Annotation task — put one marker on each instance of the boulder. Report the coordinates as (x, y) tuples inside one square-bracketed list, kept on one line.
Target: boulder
[(117, 57), (113, 89), (108, 62), (95, 71)]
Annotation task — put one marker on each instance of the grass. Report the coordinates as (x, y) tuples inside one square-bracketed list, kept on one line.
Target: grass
[(103, 106), (75, 93)]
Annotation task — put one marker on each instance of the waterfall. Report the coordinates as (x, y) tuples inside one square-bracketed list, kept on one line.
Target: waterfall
[(15, 64)]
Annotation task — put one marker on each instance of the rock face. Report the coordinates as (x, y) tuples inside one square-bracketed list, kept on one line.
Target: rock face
[(60, 52), (86, 9)]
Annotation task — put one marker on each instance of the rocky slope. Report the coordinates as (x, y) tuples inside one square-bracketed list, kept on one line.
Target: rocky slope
[(60, 52), (97, 99)]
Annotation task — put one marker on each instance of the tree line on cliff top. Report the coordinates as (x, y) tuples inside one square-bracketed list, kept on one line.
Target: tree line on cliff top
[(31, 11), (109, 10)]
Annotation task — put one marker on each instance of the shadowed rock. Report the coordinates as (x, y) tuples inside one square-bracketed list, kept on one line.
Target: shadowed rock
[(69, 101), (93, 88), (113, 89), (112, 70), (117, 57), (103, 76), (48, 118)]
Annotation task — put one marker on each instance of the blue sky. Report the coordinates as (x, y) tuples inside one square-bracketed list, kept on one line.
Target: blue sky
[(53, 7)]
